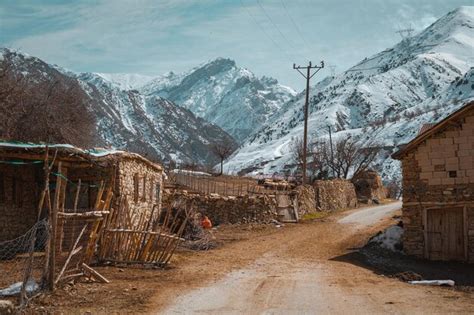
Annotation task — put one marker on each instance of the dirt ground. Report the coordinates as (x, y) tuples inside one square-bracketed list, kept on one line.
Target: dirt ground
[(310, 267)]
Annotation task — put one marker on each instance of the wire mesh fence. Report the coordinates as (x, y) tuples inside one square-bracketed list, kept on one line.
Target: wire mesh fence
[(23, 255)]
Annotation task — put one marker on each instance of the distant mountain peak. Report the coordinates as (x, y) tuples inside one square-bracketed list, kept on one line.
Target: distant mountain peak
[(225, 94), (222, 62)]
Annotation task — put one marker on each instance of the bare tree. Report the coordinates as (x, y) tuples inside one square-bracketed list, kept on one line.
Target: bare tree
[(296, 149), (350, 158), (222, 150), (49, 108), (317, 158)]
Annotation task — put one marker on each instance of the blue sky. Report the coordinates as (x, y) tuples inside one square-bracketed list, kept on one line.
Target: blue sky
[(155, 36)]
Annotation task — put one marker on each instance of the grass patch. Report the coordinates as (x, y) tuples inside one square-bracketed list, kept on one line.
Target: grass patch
[(315, 216)]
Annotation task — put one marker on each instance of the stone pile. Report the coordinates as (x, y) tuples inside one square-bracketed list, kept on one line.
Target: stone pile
[(334, 194), (306, 199), (369, 187)]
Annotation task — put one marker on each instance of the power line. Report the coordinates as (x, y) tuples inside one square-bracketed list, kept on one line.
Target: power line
[(308, 77), (263, 30), (276, 27), (295, 25)]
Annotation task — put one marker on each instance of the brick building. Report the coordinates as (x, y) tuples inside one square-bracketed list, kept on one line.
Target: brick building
[(438, 189), (129, 176)]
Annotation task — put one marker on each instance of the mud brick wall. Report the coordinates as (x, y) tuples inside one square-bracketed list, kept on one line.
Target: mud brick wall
[(142, 184), (18, 199), (334, 194), (439, 172), (229, 210)]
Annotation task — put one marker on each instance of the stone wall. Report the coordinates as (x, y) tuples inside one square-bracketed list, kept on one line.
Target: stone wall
[(369, 187), (334, 194), (306, 199), (439, 173), (228, 210), (18, 199), (142, 185)]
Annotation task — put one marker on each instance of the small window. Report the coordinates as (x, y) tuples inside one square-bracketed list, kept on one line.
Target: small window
[(453, 174), (157, 192), (152, 189), (144, 189), (136, 188)]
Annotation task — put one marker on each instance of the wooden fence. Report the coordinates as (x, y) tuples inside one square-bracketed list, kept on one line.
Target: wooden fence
[(223, 185)]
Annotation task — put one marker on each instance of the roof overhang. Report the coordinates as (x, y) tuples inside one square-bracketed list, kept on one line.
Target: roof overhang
[(433, 130)]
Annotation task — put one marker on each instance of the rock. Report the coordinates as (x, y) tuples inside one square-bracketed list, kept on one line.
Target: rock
[(6, 307)]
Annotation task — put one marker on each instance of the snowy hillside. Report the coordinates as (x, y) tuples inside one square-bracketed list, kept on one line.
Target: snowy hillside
[(125, 119), (224, 94), (385, 98), (130, 119), (126, 81)]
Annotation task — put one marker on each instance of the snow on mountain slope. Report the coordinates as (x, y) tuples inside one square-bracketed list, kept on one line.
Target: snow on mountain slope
[(126, 81), (132, 120), (224, 94), (384, 98), (124, 119)]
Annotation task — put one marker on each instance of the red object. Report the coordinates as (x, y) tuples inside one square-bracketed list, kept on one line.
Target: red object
[(206, 223)]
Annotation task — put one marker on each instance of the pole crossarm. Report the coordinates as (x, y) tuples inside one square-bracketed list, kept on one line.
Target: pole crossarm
[(308, 77)]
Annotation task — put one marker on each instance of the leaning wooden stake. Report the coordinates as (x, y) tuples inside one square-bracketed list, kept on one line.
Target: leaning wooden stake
[(89, 271), (73, 251)]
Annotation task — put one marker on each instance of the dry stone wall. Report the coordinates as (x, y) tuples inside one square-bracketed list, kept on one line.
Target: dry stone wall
[(306, 199), (334, 194), (228, 210), (142, 185)]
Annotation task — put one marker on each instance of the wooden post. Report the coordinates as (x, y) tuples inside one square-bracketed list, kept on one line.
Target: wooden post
[(62, 202), (53, 217)]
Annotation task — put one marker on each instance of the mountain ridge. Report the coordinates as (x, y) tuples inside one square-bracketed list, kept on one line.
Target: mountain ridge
[(152, 126), (397, 89)]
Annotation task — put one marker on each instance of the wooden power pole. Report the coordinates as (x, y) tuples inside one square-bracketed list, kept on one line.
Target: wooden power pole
[(308, 77)]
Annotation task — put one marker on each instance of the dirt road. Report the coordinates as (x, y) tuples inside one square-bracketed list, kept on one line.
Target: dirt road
[(304, 270)]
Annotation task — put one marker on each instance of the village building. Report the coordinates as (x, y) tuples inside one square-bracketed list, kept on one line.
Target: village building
[(129, 177), (438, 189)]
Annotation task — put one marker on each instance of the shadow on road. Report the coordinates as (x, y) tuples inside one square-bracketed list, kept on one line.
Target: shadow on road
[(384, 262)]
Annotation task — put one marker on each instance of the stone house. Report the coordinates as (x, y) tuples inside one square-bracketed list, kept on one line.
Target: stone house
[(438, 189), (129, 176)]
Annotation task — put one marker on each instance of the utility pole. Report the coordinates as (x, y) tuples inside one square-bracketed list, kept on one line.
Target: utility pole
[(308, 77), (332, 152)]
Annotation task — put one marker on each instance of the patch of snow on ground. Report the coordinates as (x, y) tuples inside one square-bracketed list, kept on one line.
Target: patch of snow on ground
[(390, 239)]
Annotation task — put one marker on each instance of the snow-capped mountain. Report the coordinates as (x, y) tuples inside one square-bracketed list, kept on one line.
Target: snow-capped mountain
[(124, 119), (384, 98), (126, 81), (224, 94)]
